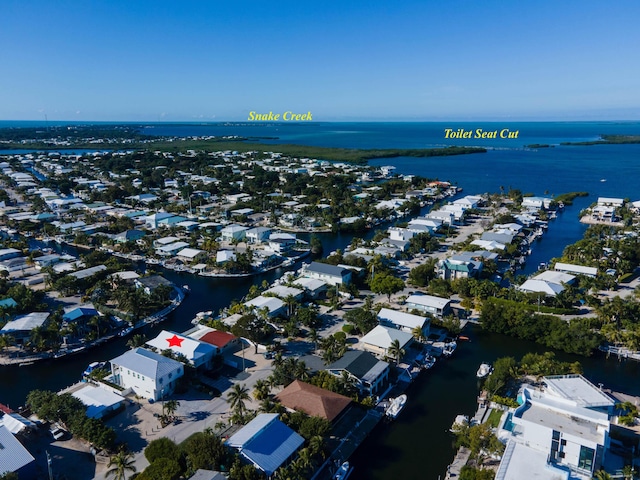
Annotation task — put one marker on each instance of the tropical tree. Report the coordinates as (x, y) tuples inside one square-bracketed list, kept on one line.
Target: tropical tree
[(170, 407), (395, 350), (628, 472), (418, 334), (386, 284), (121, 463), (136, 341), (236, 398), (602, 475), (261, 390)]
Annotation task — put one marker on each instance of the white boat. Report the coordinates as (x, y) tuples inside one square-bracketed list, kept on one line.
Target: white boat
[(449, 348), (484, 370), (93, 366), (396, 406), (343, 472)]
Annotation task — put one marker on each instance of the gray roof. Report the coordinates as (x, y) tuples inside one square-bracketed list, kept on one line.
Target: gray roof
[(26, 323), (88, 272), (327, 269), (207, 475), (358, 363), (147, 363), (13, 456)]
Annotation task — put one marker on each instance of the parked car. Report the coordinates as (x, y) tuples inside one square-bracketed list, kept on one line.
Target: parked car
[(57, 432)]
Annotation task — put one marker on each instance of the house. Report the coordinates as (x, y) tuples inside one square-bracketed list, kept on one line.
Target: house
[(150, 283), (232, 233), (146, 373), (190, 255), (88, 272), (14, 458), (129, 236), (225, 342), (223, 256), (379, 340), (258, 235), (20, 327), (549, 282), (16, 423), (171, 248), (331, 274), (75, 313), (406, 322), (99, 401), (313, 287), (370, 374), (266, 442), (576, 269), (463, 265), (281, 243), (202, 474), (555, 432), (282, 292), (7, 253), (312, 400), (199, 354), (429, 304), (155, 220), (8, 303), (275, 306)]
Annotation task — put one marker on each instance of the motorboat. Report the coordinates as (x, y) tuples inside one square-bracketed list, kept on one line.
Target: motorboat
[(429, 362), (343, 472), (93, 366), (396, 406), (449, 348), (484, 370)]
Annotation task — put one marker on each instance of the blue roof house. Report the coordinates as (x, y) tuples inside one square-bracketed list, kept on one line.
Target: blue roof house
[(266, 442)]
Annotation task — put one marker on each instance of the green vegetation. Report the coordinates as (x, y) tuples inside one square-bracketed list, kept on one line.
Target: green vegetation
[(568, 198), (494, 418), (608, 140), (468, 472), (514, 319), (71, 413), (508, 373)]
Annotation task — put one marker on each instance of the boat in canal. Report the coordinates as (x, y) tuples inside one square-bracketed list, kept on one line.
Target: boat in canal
[(484, 370), (396, 406), (343, 472)]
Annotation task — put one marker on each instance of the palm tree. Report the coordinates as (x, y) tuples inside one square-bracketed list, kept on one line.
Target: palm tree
[(236, 398), (136, 341), (314, 337), (120, 463), (602, 475), (628, 472), (418, 334), (170, 407), (261, 390), (290, 301), (395, 350)]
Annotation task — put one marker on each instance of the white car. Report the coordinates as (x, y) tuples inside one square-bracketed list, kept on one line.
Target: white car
[(57, 432)]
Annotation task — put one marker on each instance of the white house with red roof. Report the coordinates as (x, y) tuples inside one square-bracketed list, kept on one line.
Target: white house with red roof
[(199, 354)]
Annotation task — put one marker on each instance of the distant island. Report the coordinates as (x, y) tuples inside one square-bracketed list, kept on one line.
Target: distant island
[(609, 140)]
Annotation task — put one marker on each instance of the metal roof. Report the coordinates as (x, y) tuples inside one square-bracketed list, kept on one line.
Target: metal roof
[(266, 442), (25, 323), (147, 363), (13, 456)]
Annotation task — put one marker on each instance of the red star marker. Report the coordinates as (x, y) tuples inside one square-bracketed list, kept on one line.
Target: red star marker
[(175, 341)]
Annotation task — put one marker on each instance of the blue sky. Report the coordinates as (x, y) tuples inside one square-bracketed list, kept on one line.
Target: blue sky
[(211, 60)]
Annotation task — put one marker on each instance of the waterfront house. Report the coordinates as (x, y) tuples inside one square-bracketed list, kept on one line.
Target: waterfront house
[(314, 401), (331, 274), (370, 374), (281, 243), (223, 256), (258, 235), (21, 326), (406, 322), (561, 431), (190, 255), (430, 304), (266, 442), (282, 292), (88, 272), (549, 282), (150, 283), (576, 269), (14, 458), (171, 248), (313, 287), (275, 306), (379, 340), (146, 373), (199, 354)]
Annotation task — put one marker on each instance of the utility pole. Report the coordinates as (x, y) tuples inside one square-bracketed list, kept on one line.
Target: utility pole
[(49, 466)]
